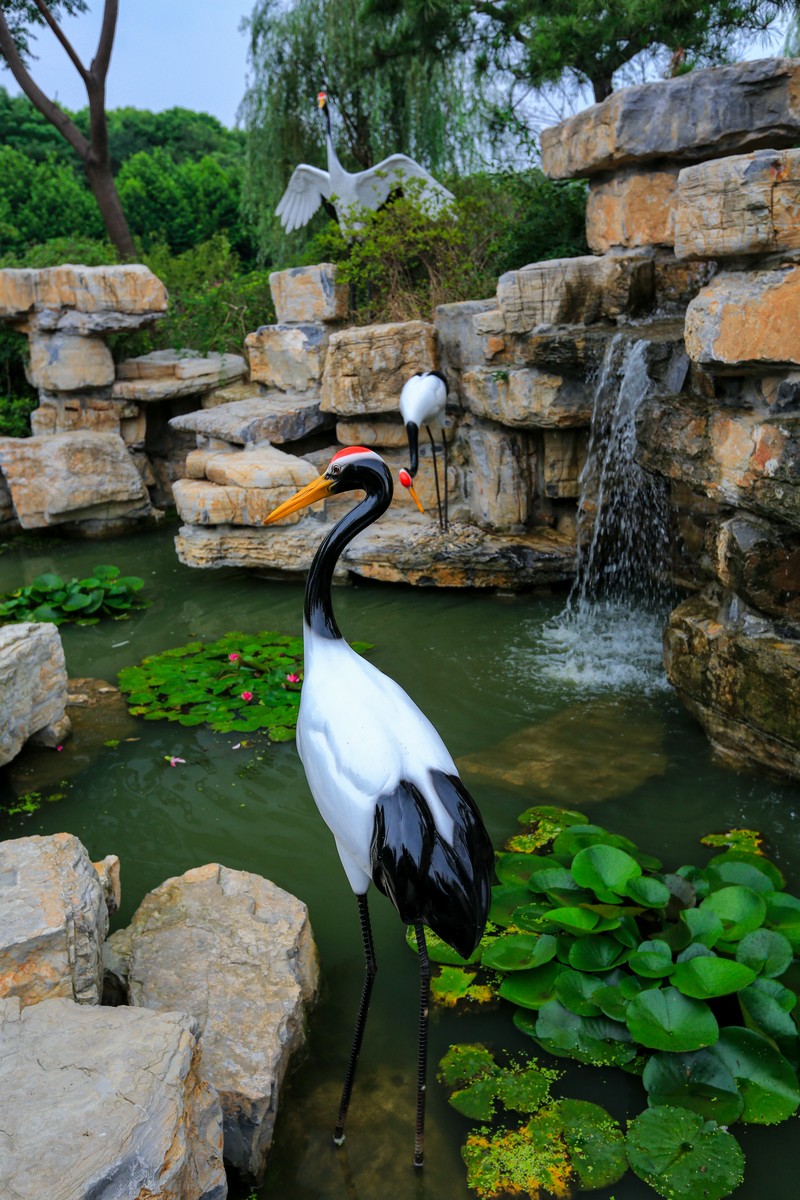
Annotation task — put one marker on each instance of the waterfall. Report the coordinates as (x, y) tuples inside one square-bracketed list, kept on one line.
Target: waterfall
[(609, 635)]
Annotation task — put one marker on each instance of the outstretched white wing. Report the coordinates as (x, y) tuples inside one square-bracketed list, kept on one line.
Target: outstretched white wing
[(306, 190), (373, 187)]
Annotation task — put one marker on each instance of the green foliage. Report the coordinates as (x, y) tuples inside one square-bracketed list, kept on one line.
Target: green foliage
[(240, 683), (42, 200), (29, 803), (104, 593), (687, 978)]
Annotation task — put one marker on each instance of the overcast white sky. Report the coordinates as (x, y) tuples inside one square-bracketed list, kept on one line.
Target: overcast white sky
[(189, 53), (166, 53)]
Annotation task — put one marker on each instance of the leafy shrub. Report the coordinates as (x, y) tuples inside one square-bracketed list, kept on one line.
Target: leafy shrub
[(681, 977), (104, 593)]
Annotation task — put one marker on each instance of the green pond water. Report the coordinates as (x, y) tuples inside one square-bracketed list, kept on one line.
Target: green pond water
[(575, 716)]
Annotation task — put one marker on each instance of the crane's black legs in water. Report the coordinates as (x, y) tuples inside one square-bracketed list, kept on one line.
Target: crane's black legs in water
[(422, 1061), (370, 969), (442, 515)]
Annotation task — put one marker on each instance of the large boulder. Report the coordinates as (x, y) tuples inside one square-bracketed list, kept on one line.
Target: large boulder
[(575, 291), (105, 1102), (81, 299), (250, 1008), (631, 208), (739, 675), (168, 374), (68, 362), (54, 920), (758, 561), (526, 397), (704, 114), (303, 294), (746, 204), (367, 366), (269, 416), (72, 477), (33, 685), (288, 357), (746, 321)]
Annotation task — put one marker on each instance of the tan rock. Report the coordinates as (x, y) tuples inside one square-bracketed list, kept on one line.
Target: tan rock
[(286, 550), (72, 477), (288, 357), (269, 416), (703, 114), (746, 320), (62, 414), (526, 398), (67, 363), (200, 502), (259, 467), (33, 683), (739, 676), (746, 204), (251, 1007), (367, 366), (575, 291), (562, 460), (168, 374), (632, 208), (125, 289), (54, 922), (304, 294), (461, 343), (500, 479), (243, 389), (388, 433), (758, 561)]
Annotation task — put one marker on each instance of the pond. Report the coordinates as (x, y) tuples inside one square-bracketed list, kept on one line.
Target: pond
[(538, 711)]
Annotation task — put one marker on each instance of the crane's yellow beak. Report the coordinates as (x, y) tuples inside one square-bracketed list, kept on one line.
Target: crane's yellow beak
[(405, 479), (319, 489)]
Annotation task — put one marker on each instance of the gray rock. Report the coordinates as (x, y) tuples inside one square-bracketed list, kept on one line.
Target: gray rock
[(105, 1103), (288, 357), (575, 290), (33, 683), (250, 1007), (460, 344), (704, 114), (276, 417), (53, 920)]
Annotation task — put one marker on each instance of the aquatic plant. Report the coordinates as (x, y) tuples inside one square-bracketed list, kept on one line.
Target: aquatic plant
[(686, 978), (240, 683), (104, 593)]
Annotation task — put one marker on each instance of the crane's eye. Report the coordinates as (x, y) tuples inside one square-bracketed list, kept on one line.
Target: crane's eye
[(336, 470)]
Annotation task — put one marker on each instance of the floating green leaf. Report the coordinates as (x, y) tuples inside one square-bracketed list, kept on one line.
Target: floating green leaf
[(605, 869), (679, 1154), (768, 952), (464, 1063), (531, 989), (768, 1082), (665, 1019), (764, 1010), (740, 910), (575, 991), (451, 986), (707, 976), (519, 951), (507, 897), (588, 1039), (649, 892), (652, 959), (699, 1081), (596, 953), (51, 598), (704, 925)]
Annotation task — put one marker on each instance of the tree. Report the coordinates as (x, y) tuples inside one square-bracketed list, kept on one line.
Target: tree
[(539, 41), (17, 17), (418, 105)]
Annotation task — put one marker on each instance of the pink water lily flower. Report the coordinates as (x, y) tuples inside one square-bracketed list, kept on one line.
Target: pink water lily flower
[(292, 678), (234, 657), (173, 762), (247, 696)]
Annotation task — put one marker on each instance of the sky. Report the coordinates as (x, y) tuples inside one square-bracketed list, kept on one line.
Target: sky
[(167, 53)]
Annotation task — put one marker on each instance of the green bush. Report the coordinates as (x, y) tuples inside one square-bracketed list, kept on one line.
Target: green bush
[(104, 593)]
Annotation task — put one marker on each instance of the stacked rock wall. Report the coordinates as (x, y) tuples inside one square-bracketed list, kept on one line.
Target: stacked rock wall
[(698, 174)]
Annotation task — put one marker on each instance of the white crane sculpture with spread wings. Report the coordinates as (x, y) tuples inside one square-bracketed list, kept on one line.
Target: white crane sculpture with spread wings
[(347, 193)]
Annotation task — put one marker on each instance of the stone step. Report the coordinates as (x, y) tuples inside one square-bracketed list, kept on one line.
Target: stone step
[(272, 416), (398, 549), (166, 374)]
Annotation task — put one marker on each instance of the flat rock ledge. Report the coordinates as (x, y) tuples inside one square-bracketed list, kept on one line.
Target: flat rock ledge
[(408, 549), (250, 1009), (105, 1102)]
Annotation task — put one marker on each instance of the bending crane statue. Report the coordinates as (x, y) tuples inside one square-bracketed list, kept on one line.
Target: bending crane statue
[(347, 194), (382, 778)]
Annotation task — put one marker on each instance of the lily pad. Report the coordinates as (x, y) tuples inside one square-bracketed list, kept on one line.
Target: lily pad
[(597, 953), (519, 951), (764, 1011), (505, 898), (605, 869), (531, 989), (704, 925), (699, 1081), (706, 976), (595, 1040), (740, 909), (575, 990), (649, 892), (452, 986), (767, 1081), (665, 1019), (439, 951), (768, 952), (464, 1063), (652, 959), (678, 1153)]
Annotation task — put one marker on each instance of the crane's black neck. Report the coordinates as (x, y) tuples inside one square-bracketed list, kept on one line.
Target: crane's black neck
[(412, 433), (376, 480)]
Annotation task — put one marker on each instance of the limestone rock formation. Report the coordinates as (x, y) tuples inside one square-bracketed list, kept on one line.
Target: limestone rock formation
[(67, 362), (33, 684), (82, 299), (704, 114), (288, 357), (746, 204), (168, 374), (575, 291), (759, 561), (745, 321), (268, 416), (303, 294), (79, 477), (105, 1102), (738, 673), (54, 921), (367, 366), (631, 208), (250, 1008), (526, 398)]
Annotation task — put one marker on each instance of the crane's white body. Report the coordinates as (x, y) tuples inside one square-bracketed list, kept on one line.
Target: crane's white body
[(423, 400), (349, 192), (358, 735)]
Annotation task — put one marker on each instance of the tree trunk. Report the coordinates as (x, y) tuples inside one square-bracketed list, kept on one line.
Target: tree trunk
[(101, 181), (601, 86)]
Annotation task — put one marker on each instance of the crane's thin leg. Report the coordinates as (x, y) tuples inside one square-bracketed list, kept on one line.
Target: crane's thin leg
[(422, 1062), (370, 970), (444, 456), (436, 476)]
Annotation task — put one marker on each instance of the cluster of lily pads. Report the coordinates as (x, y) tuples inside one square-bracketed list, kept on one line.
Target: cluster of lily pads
[(241, 683), (104, 593), (684, 977)]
